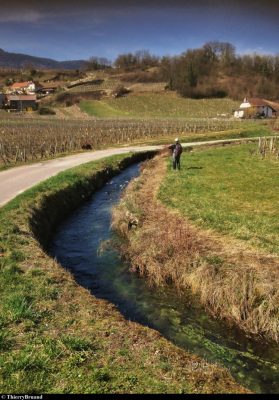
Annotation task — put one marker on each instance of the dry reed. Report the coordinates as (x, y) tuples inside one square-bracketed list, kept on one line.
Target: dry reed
[(269, 147)]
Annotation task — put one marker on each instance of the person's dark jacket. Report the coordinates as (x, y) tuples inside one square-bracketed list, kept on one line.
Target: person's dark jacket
[(176, 149)]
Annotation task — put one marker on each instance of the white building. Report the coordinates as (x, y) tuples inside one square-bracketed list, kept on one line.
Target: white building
[(255, 108)]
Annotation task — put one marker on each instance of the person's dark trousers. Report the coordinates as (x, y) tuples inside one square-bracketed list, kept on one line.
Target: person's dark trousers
[(176, 162)]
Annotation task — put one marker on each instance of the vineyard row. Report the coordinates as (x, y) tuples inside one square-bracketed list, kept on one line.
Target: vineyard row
[(28, 140)]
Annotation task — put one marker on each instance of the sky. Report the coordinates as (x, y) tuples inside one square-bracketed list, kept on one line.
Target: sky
[(80, 29)]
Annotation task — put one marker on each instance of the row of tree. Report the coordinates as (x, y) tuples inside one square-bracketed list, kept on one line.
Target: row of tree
[(141, 59), (214, 70)]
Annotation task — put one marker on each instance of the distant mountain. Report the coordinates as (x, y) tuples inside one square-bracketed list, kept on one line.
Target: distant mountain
[(16, 60)]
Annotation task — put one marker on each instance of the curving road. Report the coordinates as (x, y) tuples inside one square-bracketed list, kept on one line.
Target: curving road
[(16, 180)]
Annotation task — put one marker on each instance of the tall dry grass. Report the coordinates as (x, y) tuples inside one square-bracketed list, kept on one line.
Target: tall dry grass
[(234, 283), (269, 147)]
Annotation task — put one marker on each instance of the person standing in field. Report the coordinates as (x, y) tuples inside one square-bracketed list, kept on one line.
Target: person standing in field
[(176, 149)]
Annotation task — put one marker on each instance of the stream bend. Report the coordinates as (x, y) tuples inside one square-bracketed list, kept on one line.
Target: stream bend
[(181, 320)]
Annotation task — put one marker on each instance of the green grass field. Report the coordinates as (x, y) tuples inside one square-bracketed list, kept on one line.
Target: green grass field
[(230, 190), (166, 105)]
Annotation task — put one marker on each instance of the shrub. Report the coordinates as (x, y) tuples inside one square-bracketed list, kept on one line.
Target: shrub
[(143, 77), (121, 91), (63, 97), (46, 111)]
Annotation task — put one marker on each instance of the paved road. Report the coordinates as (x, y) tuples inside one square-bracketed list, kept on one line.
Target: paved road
[(16, 180)]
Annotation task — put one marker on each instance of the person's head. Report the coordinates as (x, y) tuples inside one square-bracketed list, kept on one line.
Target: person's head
[(176, 140)]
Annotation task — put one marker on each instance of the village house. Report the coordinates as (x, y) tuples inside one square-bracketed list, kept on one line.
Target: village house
[(20, 102), (23, 87), (47, 87), (255, 108)]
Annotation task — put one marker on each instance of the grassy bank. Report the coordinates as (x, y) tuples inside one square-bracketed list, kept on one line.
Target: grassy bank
[(232, 191), (55, 336), (234, 281)]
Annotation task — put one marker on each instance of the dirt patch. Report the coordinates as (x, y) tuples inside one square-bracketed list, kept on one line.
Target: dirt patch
[(72, 112)]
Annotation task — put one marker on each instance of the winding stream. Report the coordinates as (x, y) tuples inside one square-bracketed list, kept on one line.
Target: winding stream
[(181, 320)]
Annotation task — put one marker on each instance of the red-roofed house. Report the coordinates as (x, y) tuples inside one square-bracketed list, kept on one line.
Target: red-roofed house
[(255, 108), (23, 87)]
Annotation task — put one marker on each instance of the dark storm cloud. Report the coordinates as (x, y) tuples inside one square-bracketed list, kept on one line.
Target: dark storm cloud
[(116, 4), (121, 3), (35, 11), (79, 28)]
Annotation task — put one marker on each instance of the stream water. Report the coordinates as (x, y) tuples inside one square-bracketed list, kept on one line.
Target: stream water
[(180, 319)]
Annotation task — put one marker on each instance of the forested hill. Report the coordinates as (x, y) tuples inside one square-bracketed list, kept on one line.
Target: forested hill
[(213, 70), (17, 61)]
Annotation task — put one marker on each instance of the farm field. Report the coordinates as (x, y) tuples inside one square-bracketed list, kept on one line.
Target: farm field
[(232, 191), (112, 83), (26, 140), (163, 105)]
